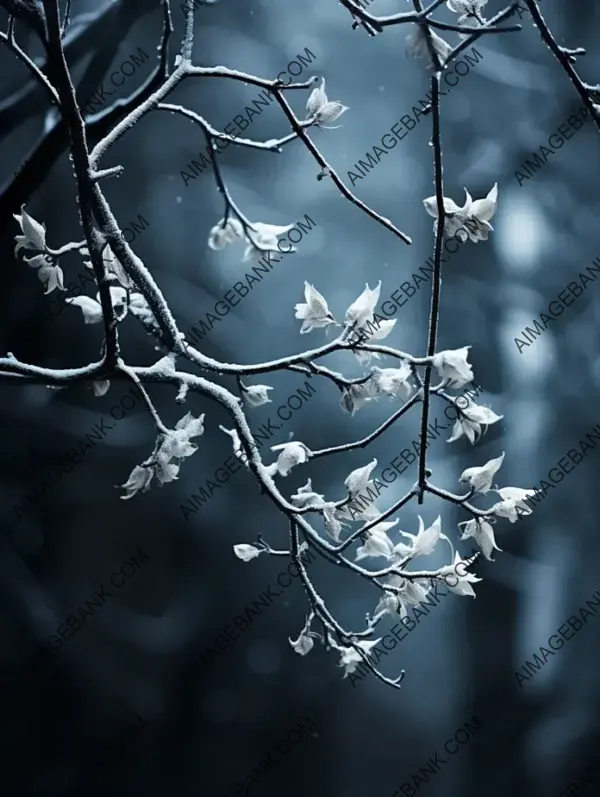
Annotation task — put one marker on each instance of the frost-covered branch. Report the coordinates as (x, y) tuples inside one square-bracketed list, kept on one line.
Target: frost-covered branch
[(347, 524)]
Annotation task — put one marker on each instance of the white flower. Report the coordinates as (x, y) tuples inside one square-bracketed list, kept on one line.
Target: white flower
[(393, 381), (454, 217), (513, 503), (263, 238), (292, 454), (359, 478), (483, 533), (416, 44), (321, 110), (100, 386), (238, 449), (139, 479), (303, 644), (423, 543), (452, 365), (478, 225), (471, 221), (34, 233), (256, 395), (223, 233), (350, 657), (246, 552), (377, 543), (314, 312), (476, 417), (460, 583), (480, 479), (363, 308)]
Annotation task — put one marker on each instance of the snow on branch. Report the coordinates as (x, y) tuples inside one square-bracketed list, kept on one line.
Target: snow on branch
[(348, 527)]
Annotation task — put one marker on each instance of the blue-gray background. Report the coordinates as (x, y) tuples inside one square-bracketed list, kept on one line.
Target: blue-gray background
[(205, 730)]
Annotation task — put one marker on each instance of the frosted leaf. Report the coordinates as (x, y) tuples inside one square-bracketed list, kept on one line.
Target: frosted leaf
[(461, 581), (377, 543), (34, 233), (483, 534), (190, 426), (393, 382), (316, 99), (307, 497), (100, 386), (356, 395), (263, 238), (452, 365), (466, 7), (314, 312), (322, 110), (256, 395), (329, 113), (223, 234), (513, 503), (92, 311), (292, 454), (52, 277), (246, 552), (139, 479), (358, 479), (333, 526), (480, 478), (302, 645), (113, 266), (363, 308), (417, 47), (166, 364), (427, 538), (476, 417)]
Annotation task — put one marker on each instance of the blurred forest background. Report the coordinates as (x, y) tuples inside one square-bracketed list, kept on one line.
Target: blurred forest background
[(69, 724)]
